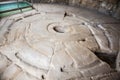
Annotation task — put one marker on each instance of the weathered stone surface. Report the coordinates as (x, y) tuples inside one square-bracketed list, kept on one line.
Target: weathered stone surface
[(47, 45), (11, 72), (118, 59), (117, 13)]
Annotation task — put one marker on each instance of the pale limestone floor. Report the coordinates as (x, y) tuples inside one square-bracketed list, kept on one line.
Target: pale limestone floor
[(57, 42)]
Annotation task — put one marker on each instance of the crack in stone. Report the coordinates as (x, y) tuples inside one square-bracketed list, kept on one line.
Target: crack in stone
[(6, 57)]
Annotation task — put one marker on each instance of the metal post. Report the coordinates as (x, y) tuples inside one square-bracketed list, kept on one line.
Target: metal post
[(32, 2), (18, 6)]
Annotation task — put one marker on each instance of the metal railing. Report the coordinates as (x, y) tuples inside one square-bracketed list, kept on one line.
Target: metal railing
[(18, 5)]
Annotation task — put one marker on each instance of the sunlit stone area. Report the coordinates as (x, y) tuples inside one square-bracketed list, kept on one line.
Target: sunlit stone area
[(57, 41)]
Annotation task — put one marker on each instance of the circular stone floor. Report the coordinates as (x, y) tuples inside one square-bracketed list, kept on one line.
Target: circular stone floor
[(57, 42)]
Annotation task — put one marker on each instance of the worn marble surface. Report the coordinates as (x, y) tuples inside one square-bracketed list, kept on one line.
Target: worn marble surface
[(58, 42)]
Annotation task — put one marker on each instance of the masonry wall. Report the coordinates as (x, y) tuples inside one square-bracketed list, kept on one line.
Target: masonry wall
[(109, 7)]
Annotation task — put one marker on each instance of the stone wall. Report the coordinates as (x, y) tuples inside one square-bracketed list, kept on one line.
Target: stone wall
[(109, 7)]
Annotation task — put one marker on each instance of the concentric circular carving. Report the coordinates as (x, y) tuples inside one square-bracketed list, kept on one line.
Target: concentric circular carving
[(52, 48)]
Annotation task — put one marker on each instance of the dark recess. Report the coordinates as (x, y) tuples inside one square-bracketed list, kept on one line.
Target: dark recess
[(108, 58)]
